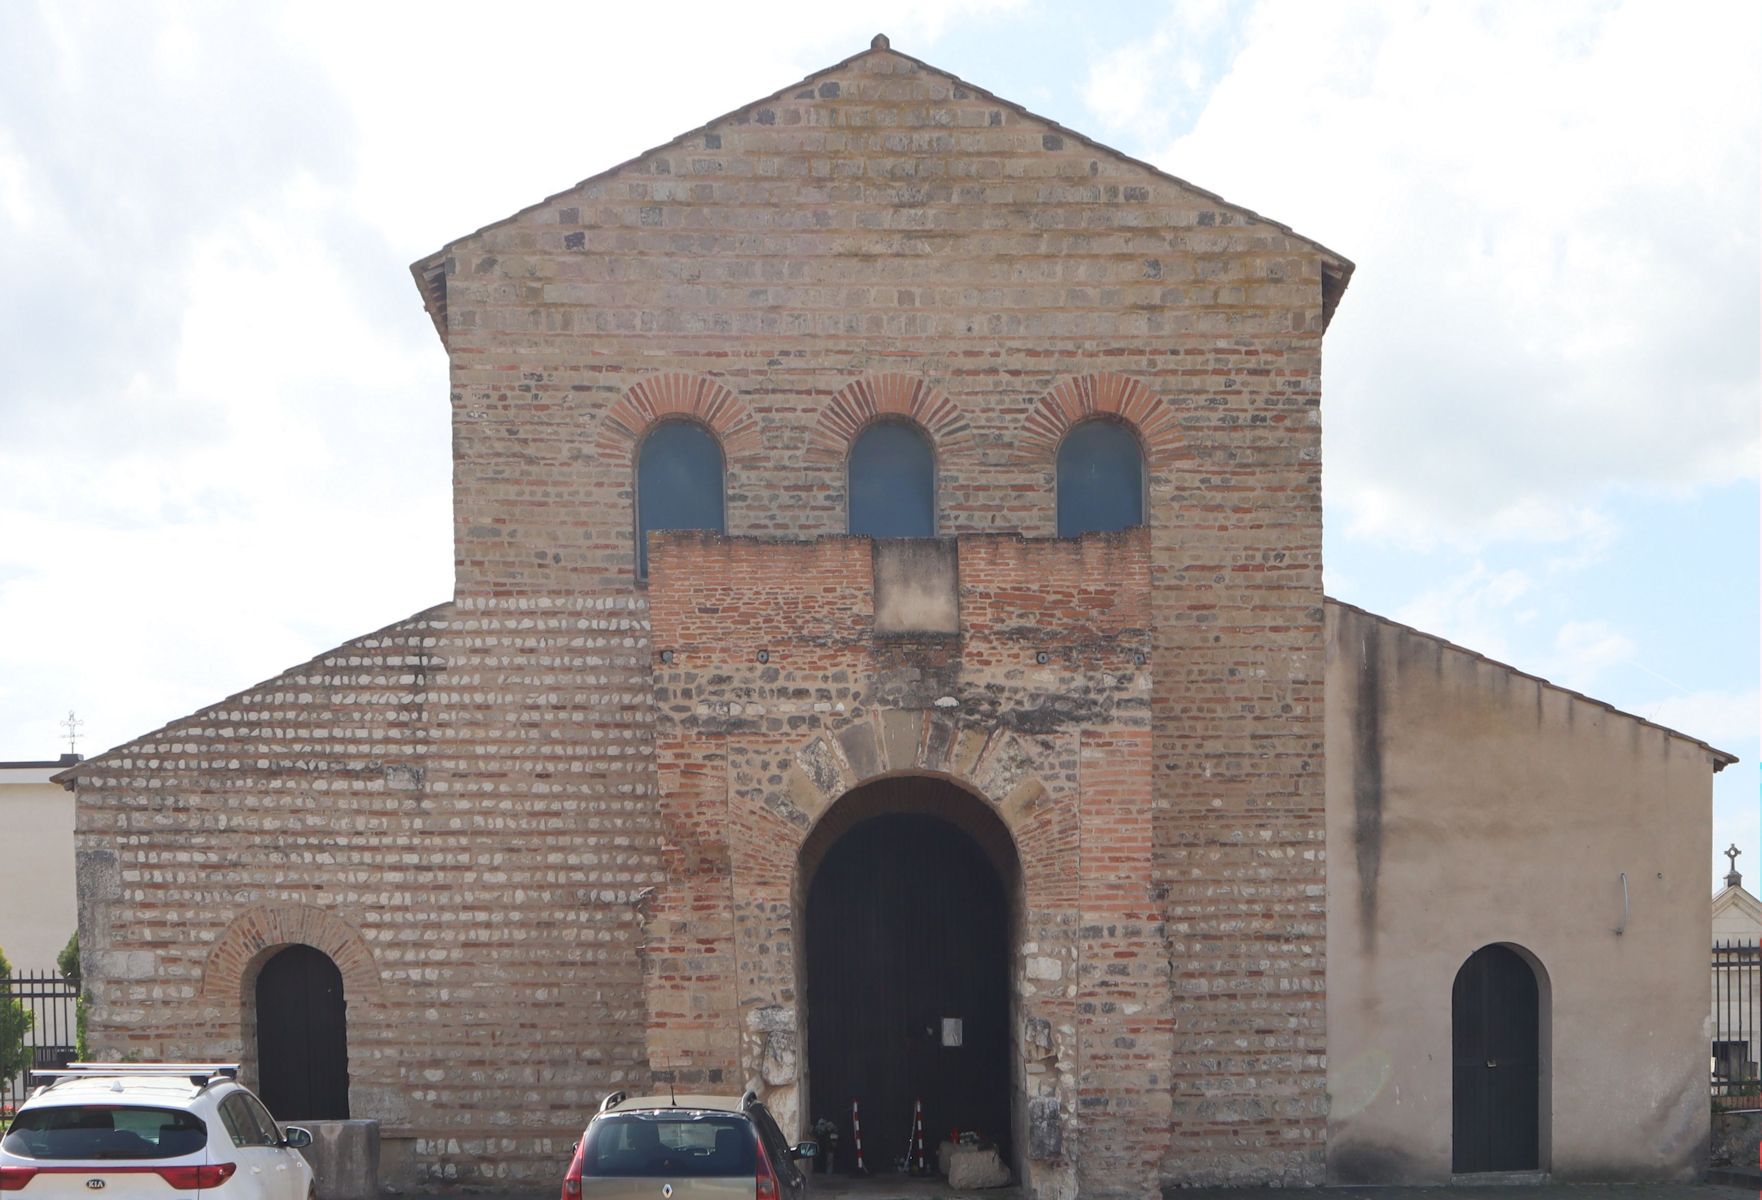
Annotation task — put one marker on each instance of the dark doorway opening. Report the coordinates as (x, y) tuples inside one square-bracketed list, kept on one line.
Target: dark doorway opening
[(1496, 1056), (302, 1037), (908, 947)]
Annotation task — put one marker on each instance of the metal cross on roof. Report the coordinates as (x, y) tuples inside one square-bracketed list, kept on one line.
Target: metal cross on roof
[(1733, 879)]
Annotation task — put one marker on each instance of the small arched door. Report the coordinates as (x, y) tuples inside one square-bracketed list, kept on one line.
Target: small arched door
[(302, 1037), (1496, 1059)]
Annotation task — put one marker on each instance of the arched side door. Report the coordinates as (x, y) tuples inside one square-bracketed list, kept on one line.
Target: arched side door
[(1495, 1052), (302, 1037)]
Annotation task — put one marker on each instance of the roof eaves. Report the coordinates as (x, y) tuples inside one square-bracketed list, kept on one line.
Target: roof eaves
[(430, 271), (1721, 758), (431, 281)]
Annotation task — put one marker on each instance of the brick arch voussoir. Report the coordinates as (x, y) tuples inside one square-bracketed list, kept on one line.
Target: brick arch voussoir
[(677, 394), (1102, 394), (877, 397), (982, 758), (267, 926)]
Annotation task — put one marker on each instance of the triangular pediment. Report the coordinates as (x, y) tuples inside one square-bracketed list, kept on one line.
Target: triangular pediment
[(1734, 908), (909, 144)]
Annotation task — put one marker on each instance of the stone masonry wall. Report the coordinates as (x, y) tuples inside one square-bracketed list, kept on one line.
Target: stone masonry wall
[(450, 809), (772, 661), (886, 240), (474, 793)]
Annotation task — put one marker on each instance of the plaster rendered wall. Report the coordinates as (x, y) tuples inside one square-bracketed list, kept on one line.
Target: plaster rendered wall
[(36, 889), (1467, 805)]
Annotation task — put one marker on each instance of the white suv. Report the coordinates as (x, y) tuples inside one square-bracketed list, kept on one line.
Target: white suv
[(131, 1129)]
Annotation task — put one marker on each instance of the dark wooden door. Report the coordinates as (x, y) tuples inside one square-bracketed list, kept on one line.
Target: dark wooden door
[(1497, 1064), (907, 925), (302, 1037)]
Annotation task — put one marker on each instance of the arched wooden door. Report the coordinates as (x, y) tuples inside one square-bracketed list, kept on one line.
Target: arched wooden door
[(1495, 1051), (908, 982), (302, 1037)]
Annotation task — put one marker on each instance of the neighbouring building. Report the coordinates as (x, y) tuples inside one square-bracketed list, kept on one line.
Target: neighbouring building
[(37, 914), (888, 661), (1736, 1018)]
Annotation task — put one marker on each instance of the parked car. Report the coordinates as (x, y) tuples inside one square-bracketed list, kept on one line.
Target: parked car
[(129, 1130), (685, 1148)]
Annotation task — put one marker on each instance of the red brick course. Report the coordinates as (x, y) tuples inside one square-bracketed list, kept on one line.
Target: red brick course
[(574, 863)]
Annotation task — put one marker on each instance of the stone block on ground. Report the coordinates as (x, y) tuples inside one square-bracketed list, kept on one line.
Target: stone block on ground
[(344, 1156), (977, 1167)]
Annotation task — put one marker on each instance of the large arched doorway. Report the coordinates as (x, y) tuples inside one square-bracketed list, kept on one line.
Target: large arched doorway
[(1498, 1048), (909, 895), (302, 1036)]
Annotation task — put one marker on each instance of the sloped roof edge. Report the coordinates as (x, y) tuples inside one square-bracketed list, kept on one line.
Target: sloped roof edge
[(1736, 896), (69, 777), (430, 271), (1721, 758)]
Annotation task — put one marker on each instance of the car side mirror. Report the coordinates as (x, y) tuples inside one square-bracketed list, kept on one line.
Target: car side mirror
[(297, 1138), (805, 1150)]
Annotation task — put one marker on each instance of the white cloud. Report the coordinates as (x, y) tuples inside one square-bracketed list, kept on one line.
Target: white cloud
[(1475, 609), (1554, 212), (1722, 718), (1153, 87), (1584, 649), (224, 425)]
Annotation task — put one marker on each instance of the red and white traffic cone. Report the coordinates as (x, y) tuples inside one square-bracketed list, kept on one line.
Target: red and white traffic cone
[(856, 1137), (918, 1167)]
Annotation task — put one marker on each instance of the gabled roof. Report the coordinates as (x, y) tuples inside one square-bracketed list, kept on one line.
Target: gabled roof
[(1721, 759), (1738, 897), (431, 272)]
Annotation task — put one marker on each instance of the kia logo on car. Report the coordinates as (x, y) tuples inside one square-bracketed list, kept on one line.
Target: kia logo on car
[(97, 1185)]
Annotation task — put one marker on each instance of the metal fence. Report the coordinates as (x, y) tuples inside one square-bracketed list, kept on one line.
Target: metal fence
[(53, 1005), (1737, 1029)]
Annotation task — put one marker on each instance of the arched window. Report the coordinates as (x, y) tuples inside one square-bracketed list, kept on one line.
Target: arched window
[(1100, 479), (892, 482), (678, 483)]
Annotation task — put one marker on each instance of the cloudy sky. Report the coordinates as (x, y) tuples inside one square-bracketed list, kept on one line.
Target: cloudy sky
[(223, 413)]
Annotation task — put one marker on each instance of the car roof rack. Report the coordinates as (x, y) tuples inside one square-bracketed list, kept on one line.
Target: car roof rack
[(200, 1074), (747, 1101), (612, 1100)]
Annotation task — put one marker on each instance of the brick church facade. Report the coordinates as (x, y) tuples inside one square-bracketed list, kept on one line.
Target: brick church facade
[(571, 830)]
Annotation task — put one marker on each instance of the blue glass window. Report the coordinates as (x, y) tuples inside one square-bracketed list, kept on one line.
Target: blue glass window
[(678, 484), (892, 483), (1100, 479)]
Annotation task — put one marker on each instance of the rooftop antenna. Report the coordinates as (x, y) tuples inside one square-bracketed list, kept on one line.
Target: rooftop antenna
[(72, 724)]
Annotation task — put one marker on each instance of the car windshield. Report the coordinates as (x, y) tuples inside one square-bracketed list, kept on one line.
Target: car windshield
[(88, 1131), (669, 1143)]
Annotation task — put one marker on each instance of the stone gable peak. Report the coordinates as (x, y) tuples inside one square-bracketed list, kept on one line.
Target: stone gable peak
[(902, 133)]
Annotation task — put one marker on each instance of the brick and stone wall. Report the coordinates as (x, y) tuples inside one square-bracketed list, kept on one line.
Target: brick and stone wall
[(487, 793), (891, 241), (452, 811), (776, 697)]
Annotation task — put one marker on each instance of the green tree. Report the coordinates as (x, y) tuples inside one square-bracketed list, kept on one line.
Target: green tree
[(68, 961), (15, 1022)]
